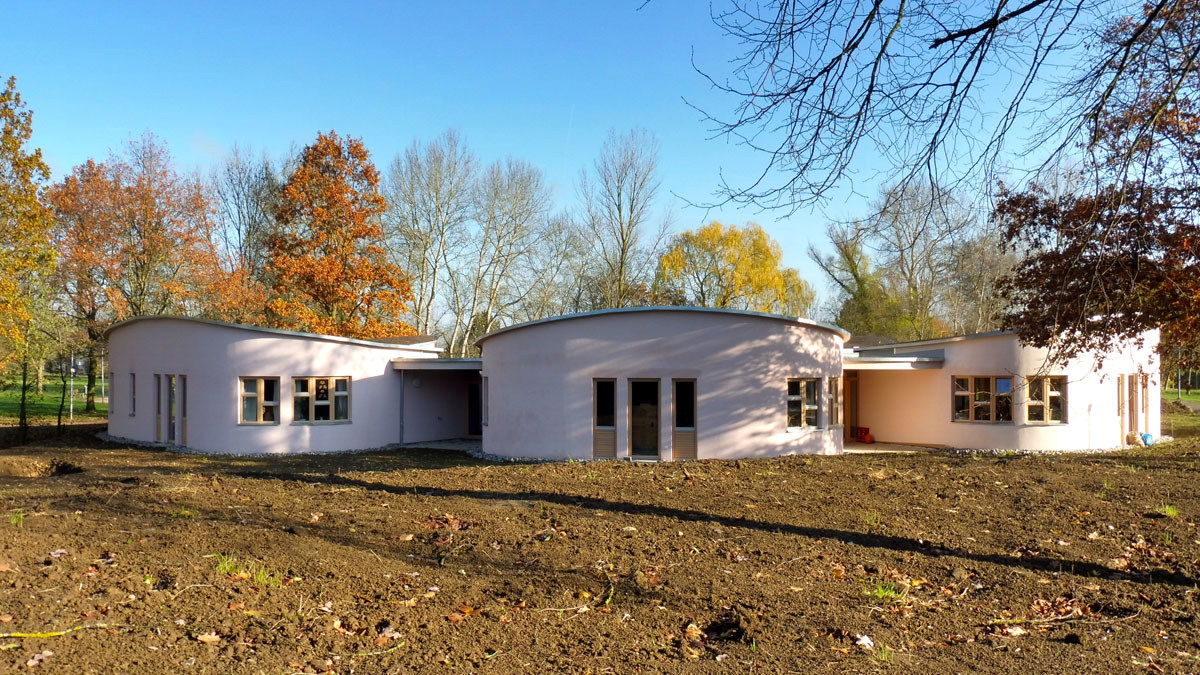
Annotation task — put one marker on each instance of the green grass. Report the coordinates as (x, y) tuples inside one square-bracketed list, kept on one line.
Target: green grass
[(1168, 510), (45, 406), (1169, 395), (886, 590), (1181, 426)]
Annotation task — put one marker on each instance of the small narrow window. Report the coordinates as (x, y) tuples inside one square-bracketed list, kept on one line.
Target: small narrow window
[(132, 394), (606, 403), (803, 407), (685, 404), (962, 399), (260, 400), (835, 401), (320, 399), (1003, 399), (484, 402)]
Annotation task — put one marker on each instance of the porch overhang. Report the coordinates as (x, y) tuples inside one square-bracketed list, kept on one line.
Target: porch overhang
[(892, 363), (443, 365)]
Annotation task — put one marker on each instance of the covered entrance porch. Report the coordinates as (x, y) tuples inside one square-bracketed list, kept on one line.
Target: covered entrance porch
[(441, 400)]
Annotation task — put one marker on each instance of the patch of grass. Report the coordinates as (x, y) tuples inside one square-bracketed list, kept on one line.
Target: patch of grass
[(45, 406), (872, 520), (886, 591), (1180, 425), (1167, 510), (884, 655), (17, 518), (182, 512), (264, 577), (226, 564), (1106, 489)]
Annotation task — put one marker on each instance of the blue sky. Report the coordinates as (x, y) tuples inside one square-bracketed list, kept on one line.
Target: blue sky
[(541, 81)]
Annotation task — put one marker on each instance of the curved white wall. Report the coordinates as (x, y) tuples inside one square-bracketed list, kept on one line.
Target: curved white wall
[(915, 406), (540, 381), (214, 356)]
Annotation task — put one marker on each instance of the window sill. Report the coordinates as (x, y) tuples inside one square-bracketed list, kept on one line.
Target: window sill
[(804, 430), (1001, 422), (258, 424), (1035, 423), (319, 423)]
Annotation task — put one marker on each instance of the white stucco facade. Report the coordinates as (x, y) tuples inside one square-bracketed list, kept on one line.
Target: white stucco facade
[(200, 365), (915, 406), (541, 381)]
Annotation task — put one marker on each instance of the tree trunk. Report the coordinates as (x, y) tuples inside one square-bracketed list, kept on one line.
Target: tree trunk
[(62, 401), (41, 377), (22, 414), (91, 378)]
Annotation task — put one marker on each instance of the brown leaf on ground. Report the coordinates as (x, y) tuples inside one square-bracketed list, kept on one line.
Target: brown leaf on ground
[(209, 638)]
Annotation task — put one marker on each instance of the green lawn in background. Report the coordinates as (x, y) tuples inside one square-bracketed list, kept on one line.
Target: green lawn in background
[(45, 407), (1170, 394), (1181, 426)]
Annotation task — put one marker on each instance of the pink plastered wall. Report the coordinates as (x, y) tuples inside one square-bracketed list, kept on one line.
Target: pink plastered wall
[(213, 357), (915, 406), (540, 397)]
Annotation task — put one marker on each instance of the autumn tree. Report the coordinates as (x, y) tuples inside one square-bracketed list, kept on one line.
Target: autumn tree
[(735, 268), (26, 255), (863, 304), (1118, 255), (329, 269)]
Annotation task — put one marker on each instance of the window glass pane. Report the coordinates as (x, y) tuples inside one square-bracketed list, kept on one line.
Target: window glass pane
[(250, 386), (1056, 408), (1003, 407), (322, 389), (810, 391), (1037, 412), (983, 406), (793, 387), (1036, 389), (321, 412), (606, 402), (962, 407), (1058, 385), (300, 409), (685, 404), (962, 385), (250, 409), (810, 417), (268, 412), (341, 408), (270, 390), (1003, 385), (795, 413), (341, 384), (301, 386), (983, 384)]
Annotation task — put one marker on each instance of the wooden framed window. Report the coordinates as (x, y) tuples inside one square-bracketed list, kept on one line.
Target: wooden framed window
[(1047, 399), (803, 403), (183, 409), (606, 404), (320, 399), (260, 400), (685, 404), (981, 399), (157, 407), (835, 401)]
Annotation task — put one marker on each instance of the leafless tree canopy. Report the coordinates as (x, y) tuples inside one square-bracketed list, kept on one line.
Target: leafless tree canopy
[(939, 90)]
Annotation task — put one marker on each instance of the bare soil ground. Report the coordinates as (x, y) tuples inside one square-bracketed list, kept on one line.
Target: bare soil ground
[(433, 562)]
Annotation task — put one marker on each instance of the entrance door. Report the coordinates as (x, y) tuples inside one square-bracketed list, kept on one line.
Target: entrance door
[(171, 409), (474, 409), (851, 412), (643, 418)]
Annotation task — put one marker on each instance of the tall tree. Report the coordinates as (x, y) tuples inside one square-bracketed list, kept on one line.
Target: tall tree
[(735, 268), (330, 273), (428, 194), (863, 305), (1120, 254), (26, 255), (618, 197)]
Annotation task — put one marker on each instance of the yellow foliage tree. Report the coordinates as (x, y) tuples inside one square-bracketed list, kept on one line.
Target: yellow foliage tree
[(26, 255), (732, 268)]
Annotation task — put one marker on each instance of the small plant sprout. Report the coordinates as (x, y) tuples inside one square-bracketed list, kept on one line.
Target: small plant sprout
[(226, 564), (265, 577), (182, 512), (17, 518), (1105, 489), (884, 654), (148, 580), (872, 520), (884, 591), (1168, 510)]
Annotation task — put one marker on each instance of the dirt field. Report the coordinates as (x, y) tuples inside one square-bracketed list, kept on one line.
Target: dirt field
[(433, 562)]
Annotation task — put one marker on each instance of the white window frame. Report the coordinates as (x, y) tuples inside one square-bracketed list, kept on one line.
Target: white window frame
[(971, 394), (260, 403), (334, 395), (806, 406), (1043, 382)]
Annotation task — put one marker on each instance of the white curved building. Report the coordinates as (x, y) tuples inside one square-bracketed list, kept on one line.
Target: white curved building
[(649, 383)]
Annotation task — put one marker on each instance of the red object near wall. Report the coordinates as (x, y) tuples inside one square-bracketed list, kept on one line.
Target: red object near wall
[(864, 433)]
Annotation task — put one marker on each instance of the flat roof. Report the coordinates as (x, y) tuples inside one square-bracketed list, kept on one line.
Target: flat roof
[(670, 308), (852, 362), (437, 364), (935, 341), (423, 343)]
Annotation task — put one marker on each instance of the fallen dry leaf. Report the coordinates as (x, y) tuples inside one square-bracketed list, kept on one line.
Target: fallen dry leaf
[(37, 659), (455, 617), (209, 638), (6, 618)]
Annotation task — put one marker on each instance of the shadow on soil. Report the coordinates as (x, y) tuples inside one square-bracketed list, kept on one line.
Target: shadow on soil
[(899, 544)]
